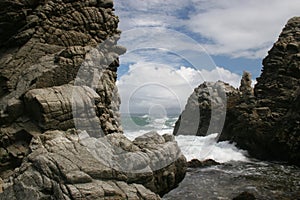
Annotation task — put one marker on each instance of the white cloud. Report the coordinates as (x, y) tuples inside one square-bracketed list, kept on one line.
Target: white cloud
[(243, 28), (235, 28), (147, 85)]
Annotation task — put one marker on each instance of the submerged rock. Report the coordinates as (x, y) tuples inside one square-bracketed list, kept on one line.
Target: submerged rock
[(245, 196), (1, 185), (195, 163)]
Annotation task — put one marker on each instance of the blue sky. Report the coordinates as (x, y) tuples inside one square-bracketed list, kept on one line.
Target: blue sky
[(175, 45)]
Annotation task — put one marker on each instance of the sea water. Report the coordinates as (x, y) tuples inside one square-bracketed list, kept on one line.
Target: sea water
[(237, 173), (191, 146)]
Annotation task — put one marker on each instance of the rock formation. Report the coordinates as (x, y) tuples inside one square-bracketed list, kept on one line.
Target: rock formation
[(73, 165), (245, 196), (54, 43), (245, 88), (58, 68), (265, 122), (268, 126), (195, 163), (205, 109)]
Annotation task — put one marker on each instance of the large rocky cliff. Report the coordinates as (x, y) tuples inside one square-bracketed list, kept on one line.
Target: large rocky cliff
[(58, 68), (51, 43), (268, 125), (265, 121)]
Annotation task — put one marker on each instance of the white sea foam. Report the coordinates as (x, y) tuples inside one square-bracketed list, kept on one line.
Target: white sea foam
[(202, 148), (206, 147), (192, 147)]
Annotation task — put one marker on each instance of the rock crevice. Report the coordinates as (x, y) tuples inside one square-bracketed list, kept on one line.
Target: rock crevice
[(60, 130)]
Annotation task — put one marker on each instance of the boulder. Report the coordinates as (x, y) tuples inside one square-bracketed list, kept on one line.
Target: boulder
[(64, 107), (195, 163), (205, 110), (73, 165)]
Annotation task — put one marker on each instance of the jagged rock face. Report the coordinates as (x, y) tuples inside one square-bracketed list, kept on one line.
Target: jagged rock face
[(74, 165), (265, 122), (281, 72), (268, 126), (205, 110), (60, 132), (55, 43)]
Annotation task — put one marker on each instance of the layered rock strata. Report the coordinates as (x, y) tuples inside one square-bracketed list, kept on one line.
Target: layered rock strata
[(48, 44), (58, 69), (269, 125)]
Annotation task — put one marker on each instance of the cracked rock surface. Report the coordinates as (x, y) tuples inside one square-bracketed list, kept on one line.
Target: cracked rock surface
[(73, 165), (60, 130)]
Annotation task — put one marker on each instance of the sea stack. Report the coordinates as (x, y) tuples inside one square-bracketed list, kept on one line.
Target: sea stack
[(269, 125), (265, 120)]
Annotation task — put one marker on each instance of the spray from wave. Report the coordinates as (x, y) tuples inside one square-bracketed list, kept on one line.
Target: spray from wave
[(191, 146)]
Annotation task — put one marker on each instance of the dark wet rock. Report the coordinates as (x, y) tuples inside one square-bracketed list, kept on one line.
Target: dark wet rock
[(268, 125), (265, 120), (245, 88), (195, 163), (245, 196)]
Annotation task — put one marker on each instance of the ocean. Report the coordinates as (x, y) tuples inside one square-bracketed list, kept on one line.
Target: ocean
[(191, 146), (237, 173)]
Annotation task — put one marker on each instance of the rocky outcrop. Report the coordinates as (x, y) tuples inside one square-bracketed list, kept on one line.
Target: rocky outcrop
[(268, 125), (58, 68), (54, 43), (73, 165), (264, 120), (205, 109)]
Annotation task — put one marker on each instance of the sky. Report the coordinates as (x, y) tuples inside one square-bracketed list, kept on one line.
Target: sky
[(175, 45)]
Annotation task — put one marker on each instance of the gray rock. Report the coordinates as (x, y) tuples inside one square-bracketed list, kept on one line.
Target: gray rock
[(205, 110), (73, 165), (58, 96), (55, 43)]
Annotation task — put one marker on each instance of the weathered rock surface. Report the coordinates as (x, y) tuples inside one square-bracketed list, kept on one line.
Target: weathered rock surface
[(269, 125), (205, 110), (58, 68), (71, 165), (264, 120), (54, 43)]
